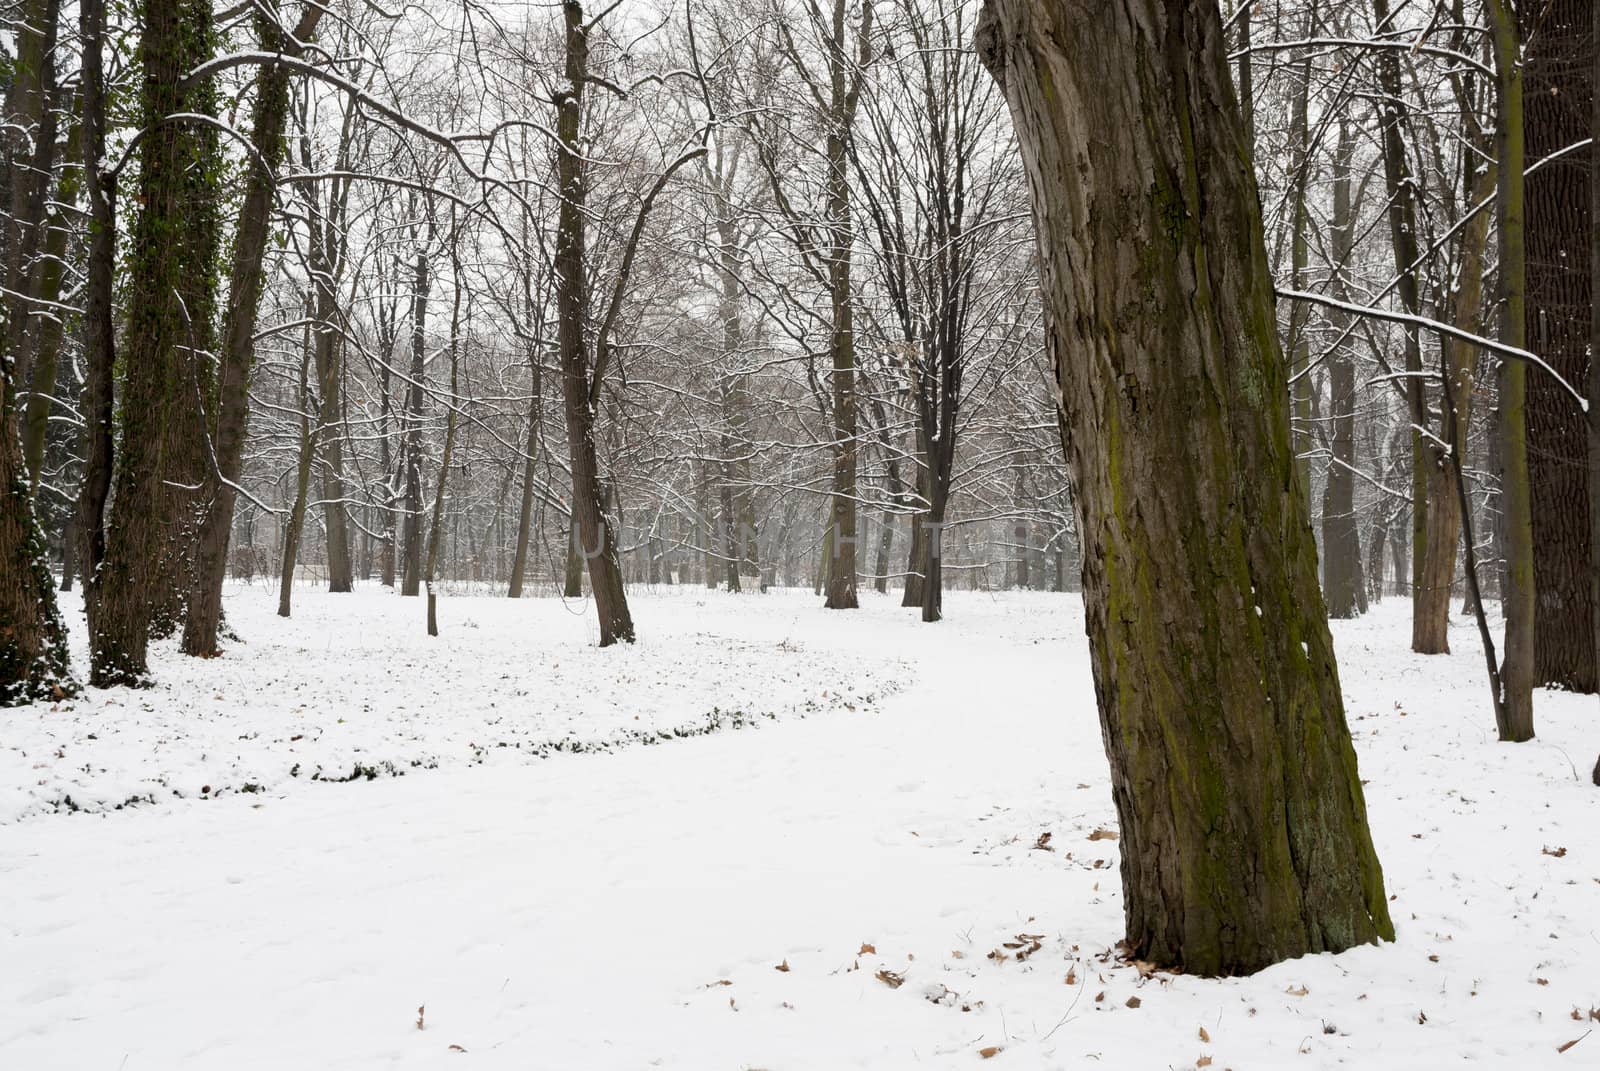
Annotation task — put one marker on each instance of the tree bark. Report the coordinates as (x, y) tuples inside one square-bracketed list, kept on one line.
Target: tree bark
[(1559, 95), (1244, 830)]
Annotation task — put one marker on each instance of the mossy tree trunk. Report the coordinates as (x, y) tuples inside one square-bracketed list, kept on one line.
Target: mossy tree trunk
[(1244, 830), (165, 326), (270, 111), (1514, 713), (33, 641)]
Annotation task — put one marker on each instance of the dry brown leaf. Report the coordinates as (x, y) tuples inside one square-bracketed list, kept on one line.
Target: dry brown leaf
[(1556, 853), (1542, 981), (1297, 990), (1204, 1061), (1134, 1002), (1043, 843), (867, 950), (990, 1050), (892, 979), (457, 1048), (1203, 1035), (420, 1009), (784, 967), (1103, 834), (1072, 976), (719, 981)]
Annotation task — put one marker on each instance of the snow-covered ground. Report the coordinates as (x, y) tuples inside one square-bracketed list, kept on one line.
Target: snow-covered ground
[(860, 877)]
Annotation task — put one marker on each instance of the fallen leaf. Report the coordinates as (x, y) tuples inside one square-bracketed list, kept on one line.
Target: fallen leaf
[(420, 1008), (867, 950), (457, 1048), (1134, 1002), (1204, 1061), (990, 1050), (1043, 843), (719, 981), (1072, 976), (1297, 991), (892, 979), (1568, 1045), (1203, 1035), (1556, 853), (1103, 834), (784, 967), (1542, 981)]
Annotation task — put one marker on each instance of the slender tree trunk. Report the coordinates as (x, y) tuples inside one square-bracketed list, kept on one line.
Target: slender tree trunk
[(411, 571), (294, 524), (1401, 188), (44, 338), (204, 614), (1515, 715), (1342, 583), (99, 333), (1430, 633), (431, 569), (1243, 827), (599, 544), (519, 560)]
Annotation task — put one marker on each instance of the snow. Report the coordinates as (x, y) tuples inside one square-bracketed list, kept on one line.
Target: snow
[(635, 909)]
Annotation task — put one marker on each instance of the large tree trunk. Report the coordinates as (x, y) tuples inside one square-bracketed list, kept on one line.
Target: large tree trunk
[(1244, 830), (33, 642), (1594, 364), (1559, 94), (1514, 712), (176, 38)]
